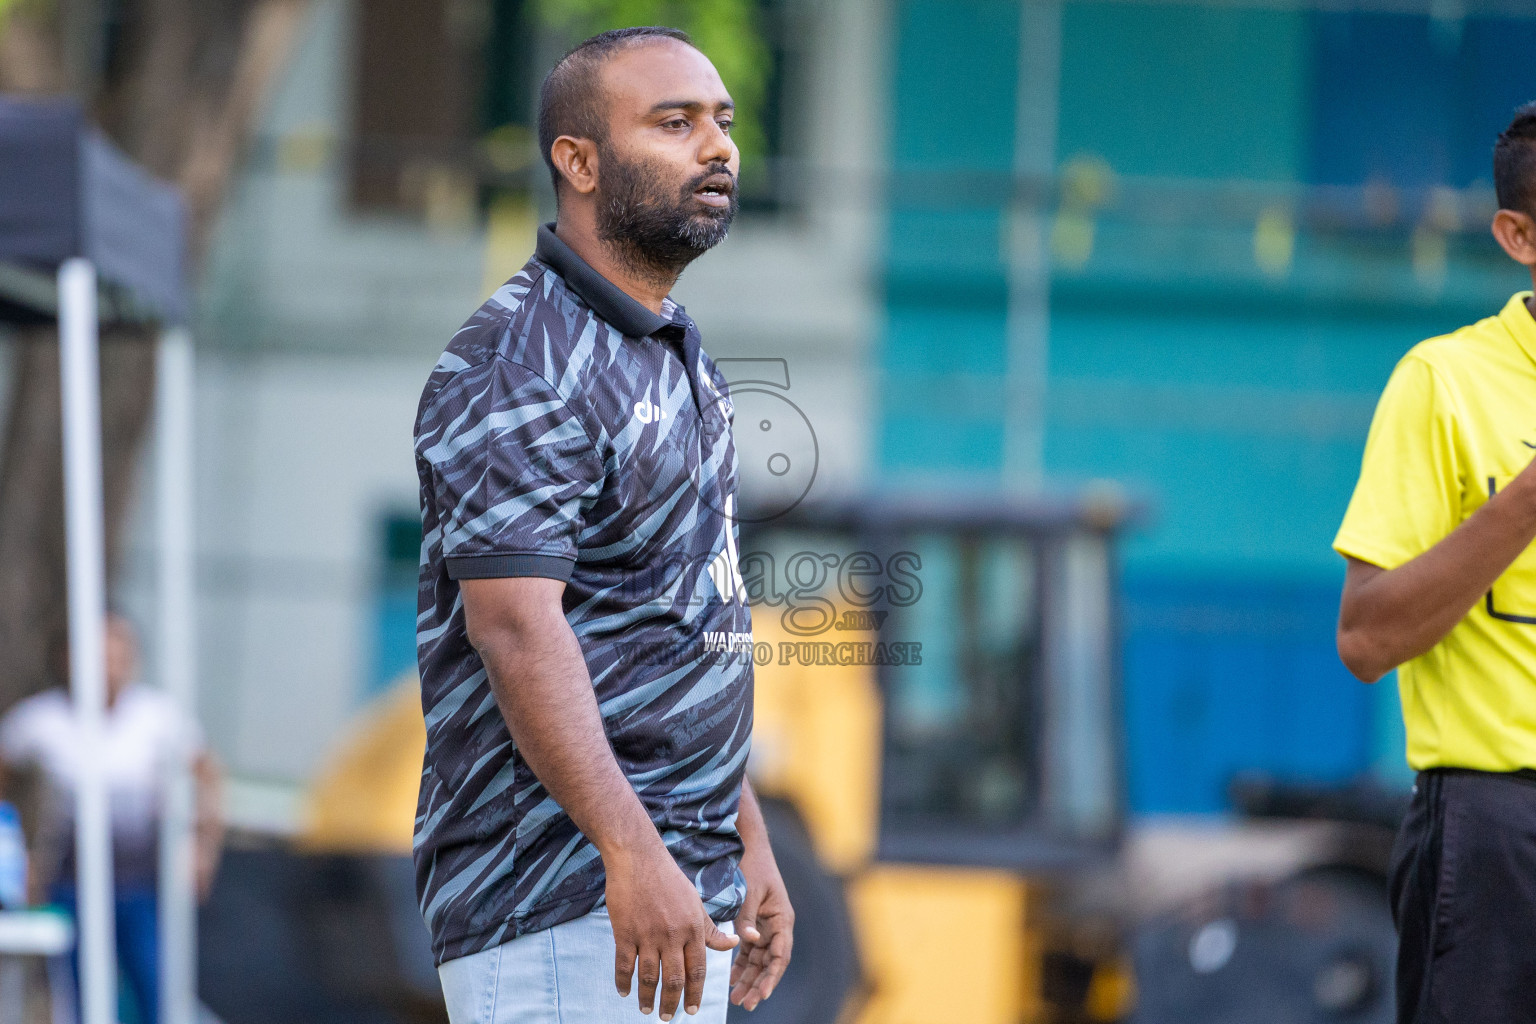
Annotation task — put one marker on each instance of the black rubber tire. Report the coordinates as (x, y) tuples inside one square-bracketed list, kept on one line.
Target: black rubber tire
[(1316, 948), (294, 938)]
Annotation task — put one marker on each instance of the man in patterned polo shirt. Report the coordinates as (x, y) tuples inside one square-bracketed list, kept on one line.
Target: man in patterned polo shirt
[(584, 814)]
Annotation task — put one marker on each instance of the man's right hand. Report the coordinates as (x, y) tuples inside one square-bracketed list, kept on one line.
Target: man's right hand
[(540, 680), (659, 921)]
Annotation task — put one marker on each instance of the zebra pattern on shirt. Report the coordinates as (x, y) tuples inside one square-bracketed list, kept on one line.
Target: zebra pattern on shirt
[(551, 442)]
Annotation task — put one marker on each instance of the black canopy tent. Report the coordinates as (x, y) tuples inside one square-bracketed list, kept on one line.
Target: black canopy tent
[(86, 235), (65, 192)]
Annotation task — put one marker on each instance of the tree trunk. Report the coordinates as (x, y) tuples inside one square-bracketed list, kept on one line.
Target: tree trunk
[(180, 96), (32, 491), (31, 520)]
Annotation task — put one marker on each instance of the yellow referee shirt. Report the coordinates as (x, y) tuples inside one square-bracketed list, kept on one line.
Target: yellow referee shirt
[(1457, 421)]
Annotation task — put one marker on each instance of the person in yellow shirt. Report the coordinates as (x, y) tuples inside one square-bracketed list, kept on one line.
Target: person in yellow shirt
[(1441, 585)]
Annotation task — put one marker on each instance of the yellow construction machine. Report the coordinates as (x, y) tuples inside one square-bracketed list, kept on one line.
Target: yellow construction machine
[(937, 734), (937, 743)]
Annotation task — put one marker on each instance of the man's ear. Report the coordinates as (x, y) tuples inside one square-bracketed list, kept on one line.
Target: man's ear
[(1516, 232), (576, 160)]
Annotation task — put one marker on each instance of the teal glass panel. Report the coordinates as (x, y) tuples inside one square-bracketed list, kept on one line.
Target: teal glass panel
[(942, 359), (956, 70), (1177, 90)]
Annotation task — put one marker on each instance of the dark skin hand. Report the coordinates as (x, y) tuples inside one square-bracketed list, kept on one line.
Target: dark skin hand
[(1389, 616), (667, 107), (541, 684), (766, 924)]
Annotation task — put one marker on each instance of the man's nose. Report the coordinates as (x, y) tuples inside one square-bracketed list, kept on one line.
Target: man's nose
[(716, 146)]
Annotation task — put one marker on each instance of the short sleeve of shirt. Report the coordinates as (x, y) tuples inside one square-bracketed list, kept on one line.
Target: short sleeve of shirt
[(32, 727), (182, 730), (1409, 494), (511, 470), (18, 734)]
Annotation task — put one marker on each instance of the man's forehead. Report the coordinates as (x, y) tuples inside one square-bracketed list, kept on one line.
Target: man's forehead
[(662, 71)]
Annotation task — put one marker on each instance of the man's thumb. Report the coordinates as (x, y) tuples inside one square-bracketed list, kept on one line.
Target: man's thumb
[(717, 939), (746, 920)]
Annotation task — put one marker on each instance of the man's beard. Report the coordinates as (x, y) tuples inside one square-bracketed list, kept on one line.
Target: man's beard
[(654, 230)]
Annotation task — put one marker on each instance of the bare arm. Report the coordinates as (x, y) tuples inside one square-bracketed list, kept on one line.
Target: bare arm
[(208, 831), (542, 687), (1389, 616), (540, 681)]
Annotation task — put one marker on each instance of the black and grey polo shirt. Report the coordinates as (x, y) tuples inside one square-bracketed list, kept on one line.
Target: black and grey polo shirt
[(569, 432)]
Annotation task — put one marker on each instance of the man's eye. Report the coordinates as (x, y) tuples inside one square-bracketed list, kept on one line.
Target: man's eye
[(725, 126), (676, 122)]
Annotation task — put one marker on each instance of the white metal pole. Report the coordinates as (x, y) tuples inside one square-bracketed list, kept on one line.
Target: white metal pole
[(80, 380), (178, 674), (1029, 257)]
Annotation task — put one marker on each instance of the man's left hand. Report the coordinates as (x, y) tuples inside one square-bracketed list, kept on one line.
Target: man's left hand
[(766, 927)]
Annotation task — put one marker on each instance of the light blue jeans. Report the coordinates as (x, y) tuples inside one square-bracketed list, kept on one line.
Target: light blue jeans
[(564, 975)]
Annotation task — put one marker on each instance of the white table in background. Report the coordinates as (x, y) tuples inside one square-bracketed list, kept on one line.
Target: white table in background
[(25, 933)]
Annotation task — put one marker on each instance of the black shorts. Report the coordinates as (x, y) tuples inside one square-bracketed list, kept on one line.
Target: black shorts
[(1464, 899)]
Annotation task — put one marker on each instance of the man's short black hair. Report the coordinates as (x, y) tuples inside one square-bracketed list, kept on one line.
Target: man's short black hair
[(1514, 162), (570, 100)]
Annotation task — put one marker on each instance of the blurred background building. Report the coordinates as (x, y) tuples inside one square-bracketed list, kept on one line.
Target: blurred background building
[(1177, 246), (1157, 251)]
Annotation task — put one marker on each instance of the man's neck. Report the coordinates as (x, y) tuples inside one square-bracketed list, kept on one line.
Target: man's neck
[(1530, 303), (580, 233)]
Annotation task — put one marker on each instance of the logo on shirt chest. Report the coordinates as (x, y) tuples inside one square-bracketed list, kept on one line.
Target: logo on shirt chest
[(647, 411)]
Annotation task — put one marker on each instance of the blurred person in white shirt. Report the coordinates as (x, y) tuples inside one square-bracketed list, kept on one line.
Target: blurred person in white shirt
[(144, 732)]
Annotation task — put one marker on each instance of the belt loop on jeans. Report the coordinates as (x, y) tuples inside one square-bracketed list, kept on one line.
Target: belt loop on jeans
[(1428, 784)]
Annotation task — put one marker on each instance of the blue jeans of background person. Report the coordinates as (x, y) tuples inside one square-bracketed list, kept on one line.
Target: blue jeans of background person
[(564, 975), (138, 943)]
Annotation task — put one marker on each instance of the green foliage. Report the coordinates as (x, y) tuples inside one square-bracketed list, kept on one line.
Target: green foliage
[(10, 7), (725, 30), (34, 8)]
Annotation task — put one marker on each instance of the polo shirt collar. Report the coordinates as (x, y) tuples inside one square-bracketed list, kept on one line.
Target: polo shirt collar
[(606, 298), (1519, 322)]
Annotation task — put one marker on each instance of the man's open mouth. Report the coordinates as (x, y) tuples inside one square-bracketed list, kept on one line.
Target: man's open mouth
[(716, 190)]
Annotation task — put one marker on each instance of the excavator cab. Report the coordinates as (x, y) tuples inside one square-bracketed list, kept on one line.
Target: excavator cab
[(937, 735), (936, 740)]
